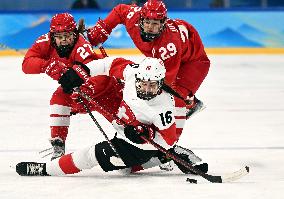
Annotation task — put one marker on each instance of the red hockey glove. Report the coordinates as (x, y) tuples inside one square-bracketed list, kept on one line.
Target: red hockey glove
[(86, 89), (74, 77), (99, 33), (134, 133), (54, 69)]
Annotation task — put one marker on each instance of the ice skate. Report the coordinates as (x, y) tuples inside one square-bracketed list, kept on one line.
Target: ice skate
[(58, 147), (31, 169), (194, 107)]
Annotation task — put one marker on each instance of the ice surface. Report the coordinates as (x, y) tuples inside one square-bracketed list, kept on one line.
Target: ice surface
[(243, 124)]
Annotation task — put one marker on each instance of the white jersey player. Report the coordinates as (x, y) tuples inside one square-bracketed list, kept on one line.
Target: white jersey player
[(145, 110)]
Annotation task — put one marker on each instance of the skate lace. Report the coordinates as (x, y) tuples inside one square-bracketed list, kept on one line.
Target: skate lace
[(58, 151), (34, 169)]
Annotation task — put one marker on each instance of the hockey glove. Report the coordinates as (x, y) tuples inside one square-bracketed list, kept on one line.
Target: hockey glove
[(54, 68), (135, 133), (201, 167), (86, 89), (74, 77), (99, 33)]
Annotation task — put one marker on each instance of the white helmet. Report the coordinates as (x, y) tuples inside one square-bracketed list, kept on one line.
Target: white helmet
[(151, 69), (149, 78)]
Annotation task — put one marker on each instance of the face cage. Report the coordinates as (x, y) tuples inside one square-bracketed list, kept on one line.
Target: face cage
[(148, 37), (148, 96), (64, 50)]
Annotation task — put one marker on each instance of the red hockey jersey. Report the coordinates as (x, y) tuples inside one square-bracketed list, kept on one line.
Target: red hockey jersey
[(179, 46), (41, 51)]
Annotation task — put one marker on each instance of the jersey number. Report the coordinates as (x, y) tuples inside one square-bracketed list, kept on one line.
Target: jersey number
[(43, 39), (166, 118), (83, 53), (168, 52), (135, 9)]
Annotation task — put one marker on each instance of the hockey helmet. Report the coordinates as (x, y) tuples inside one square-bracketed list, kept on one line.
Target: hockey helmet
[(63, 23), (152, 10), (149, 78)]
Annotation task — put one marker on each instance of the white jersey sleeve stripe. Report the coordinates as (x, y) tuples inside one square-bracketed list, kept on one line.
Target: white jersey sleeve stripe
[(180, 123), (180, 111), (59, 109), (59, 121)]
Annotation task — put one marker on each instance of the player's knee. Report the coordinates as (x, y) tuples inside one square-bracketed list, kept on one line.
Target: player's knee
[(85, 158)]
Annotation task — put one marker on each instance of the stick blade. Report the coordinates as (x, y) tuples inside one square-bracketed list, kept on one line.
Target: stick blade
[(235, 175)]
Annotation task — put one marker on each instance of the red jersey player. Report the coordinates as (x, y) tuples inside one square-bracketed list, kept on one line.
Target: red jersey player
[(52, 54), (145, 110), (176, 42)]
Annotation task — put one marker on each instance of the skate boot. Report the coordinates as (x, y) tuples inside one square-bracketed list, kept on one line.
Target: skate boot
[(58, 147), (195, 105), (31, 169), (168, 166)]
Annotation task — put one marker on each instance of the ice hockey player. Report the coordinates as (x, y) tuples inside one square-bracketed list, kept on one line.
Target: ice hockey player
[(145, 111), (52, 54), (174, 41)]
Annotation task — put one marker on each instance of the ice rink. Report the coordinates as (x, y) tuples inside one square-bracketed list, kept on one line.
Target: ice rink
[(243, 124)]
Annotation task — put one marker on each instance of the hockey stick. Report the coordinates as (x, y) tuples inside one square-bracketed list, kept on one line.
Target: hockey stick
[(211, 178), (95, 120)]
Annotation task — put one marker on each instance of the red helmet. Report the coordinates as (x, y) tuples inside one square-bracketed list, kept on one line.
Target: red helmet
[(154, 9), (63, 22)]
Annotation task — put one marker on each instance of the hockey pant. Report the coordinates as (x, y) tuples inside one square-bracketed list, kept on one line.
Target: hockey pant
[(103, 155), (108, 94)]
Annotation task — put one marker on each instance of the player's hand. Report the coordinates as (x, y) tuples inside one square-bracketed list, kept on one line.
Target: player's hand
[(135, 133), (99, 33), (74, 77), (85, 91), (54, 69)]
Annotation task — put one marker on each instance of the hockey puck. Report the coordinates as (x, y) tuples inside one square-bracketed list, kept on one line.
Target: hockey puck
[(191, 180)]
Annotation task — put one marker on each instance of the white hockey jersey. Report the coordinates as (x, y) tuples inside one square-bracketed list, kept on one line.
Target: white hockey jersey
[(158, 111)]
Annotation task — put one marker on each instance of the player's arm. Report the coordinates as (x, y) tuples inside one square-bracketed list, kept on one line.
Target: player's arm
[(101, 31), (162, 131), (35, 59), (81, 73), (110, 66), (166, 125), (165, 137), (198, 63)]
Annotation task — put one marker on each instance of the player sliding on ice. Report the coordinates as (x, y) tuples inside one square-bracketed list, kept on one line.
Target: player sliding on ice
[(144, 111)]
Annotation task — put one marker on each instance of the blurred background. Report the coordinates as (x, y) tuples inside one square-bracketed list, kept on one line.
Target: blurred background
[(245, 24), (29, 5)]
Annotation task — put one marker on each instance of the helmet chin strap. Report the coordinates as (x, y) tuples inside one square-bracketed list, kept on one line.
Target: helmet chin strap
[(148, 37), (63, 50)]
